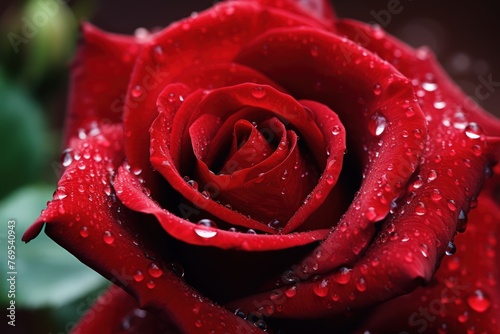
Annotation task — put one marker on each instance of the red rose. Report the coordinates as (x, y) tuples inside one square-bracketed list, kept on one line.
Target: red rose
[(207, 176)]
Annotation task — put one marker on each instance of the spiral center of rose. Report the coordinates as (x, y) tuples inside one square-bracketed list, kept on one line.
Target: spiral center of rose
[(257, 158)]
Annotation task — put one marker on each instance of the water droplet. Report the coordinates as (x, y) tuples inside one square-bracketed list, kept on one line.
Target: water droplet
[(206, 228), (260, 324), (107, 190), (239, 313), (378, 32), (251, 231), (289, 277), (462, 221), (258, 92), (343, 276), (478, 301), (463, 317), (451, 249), (66, 157), (420, 209), (419, 181), (84, 232), (159, 53), (371, 214), (137, 92), (410, 112), (429, 86), (150, 284), (193, 184), (330, 179), (377, 89), (81, 165), (274, 295), (432, 175), (108, 238), (176, 268), (424, 250), (138, 276), (321, 288), (154, 270), (136, 171), (377, 124), (274, 224), (436, 195), (291, 291), (473, 131), (336, 130), (60, 193), (439, 104), (409, 257), (198, 323), (452, 205), (361, 284)]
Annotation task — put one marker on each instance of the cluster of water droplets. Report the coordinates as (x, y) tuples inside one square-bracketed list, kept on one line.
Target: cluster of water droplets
[(255, 318)]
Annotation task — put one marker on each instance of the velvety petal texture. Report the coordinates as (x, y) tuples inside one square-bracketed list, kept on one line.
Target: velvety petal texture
[(464, 295), (99, 78), (266, 166), (115, 311)]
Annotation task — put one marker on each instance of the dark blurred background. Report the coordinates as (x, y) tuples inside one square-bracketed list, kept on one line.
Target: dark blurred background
[(54, 289)]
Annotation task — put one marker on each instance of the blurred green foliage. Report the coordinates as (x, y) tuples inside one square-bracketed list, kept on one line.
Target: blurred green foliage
[(24, 138), (37, 44)]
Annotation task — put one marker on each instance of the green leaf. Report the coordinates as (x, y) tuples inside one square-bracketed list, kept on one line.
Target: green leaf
[(23, 138), (47, 275)]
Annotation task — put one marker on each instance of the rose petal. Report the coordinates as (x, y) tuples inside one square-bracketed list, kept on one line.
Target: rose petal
[(86, 181), (441, 100), (249, 147), (99, 76), (416, 236), (213, 36), (275, 178), (373, 91), (163, 160), (222, 103), (216, 75), (132, 195), (85, 218), (464, 292), (320, 10), (458, 148), (115, 311)]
